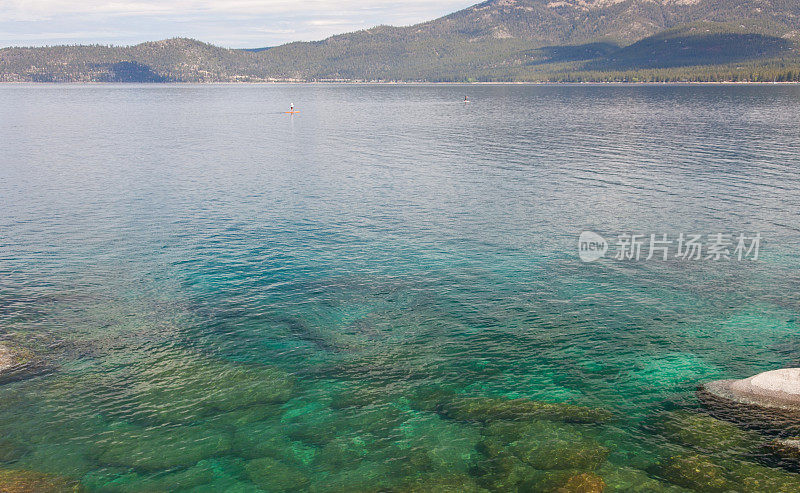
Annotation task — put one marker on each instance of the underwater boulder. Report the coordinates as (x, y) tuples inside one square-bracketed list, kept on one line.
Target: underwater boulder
[(543, 445), (704, 432), (488, 409), (535, 456), (24, 481), (586, 482), (585, 455), (566, 481), (696, 472), (769, 401)]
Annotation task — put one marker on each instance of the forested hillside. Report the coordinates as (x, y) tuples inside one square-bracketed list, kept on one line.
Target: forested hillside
[(498, 40)]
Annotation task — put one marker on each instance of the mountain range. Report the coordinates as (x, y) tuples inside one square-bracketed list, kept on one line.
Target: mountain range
[(497, 40)]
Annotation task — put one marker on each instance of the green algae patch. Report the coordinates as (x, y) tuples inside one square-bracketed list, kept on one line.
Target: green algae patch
[(276, 476), (162, 448), (23, 481), (706, 433), (183, 389), (488, 409)]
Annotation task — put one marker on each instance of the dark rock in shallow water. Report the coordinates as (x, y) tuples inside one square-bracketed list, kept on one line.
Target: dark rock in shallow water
[(488, 409), (704, 432), (768, 401)]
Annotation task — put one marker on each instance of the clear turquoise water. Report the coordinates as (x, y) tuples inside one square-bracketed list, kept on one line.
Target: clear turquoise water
[(228, 298)]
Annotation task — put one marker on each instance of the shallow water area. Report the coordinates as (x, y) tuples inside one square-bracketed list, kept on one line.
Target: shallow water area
[(383, 292)]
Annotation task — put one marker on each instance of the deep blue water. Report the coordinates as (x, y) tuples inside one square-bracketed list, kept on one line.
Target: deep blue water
[(220, 296)]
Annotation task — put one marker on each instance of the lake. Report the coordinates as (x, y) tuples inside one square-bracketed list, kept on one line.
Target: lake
[(384, 291)]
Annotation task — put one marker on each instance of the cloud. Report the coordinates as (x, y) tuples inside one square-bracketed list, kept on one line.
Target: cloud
[(233, 23)]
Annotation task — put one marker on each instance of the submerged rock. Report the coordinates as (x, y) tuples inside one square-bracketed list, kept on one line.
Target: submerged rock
[(716, 474), (696, 472), (586, 482), (22, 481), (769, 400), (535, 456), (704, 432), (488, 409)]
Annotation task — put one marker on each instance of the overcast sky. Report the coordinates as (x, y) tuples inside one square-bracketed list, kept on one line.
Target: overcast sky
[(229, 23)]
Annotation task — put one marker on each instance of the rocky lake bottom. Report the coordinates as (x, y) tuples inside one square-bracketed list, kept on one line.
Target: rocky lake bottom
[(208, 295)]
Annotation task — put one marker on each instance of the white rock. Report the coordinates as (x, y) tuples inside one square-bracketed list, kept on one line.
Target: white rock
[(776, 389)]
